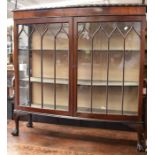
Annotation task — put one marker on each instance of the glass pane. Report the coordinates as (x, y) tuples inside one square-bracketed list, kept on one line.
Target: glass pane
[(23, 76), (62, 67), (84, 78), (62, 97), (48, 56), (130, 106), (115, 76), (99, 67), (84, 98), (108, 67), (23, 59), (36, 36), (92, 64), (115, 67), (114, 100), (84, 34), (36, 94), (116, 39), (131, 72), (124, 27), (84, 66), (99, 99), (23, 31)]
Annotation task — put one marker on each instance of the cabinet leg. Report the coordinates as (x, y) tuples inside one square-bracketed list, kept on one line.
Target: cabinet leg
[(141, 140), (15, 132), (29, 123), (12, 106)]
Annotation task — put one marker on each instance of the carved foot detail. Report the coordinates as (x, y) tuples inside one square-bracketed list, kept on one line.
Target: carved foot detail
[(29, 125), (15, 132), (140, 147)]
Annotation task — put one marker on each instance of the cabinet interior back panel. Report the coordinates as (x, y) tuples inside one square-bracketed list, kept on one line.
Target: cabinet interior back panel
[(130, 103), (61, 42), (48, 94), (48, 64), (115, 66), (83, 97), (91, 34), (84, 66)]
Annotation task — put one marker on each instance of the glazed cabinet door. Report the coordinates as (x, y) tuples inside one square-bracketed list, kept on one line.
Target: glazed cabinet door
[(44, 64), (108, 56)]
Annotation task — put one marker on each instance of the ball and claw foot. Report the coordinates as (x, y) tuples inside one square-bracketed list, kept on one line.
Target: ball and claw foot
[(15, 132), (140, 147)]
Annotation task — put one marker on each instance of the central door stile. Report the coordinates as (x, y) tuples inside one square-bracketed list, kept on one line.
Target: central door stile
[(75, 39), (71, 68)]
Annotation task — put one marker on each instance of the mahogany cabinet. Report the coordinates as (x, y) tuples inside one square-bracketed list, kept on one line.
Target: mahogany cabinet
[(80, 62)]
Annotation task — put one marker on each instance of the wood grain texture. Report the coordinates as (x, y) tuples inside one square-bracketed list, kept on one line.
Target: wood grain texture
[(85, 11), (45, 139)]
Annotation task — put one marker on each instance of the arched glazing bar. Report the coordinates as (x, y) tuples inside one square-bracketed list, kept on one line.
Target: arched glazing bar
[(127, 28), (41, 29), (60, 30), (28, 31), (92, 61), (38, 39)]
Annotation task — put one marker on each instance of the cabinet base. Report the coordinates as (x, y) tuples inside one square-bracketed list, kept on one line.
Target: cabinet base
[(139, 127)]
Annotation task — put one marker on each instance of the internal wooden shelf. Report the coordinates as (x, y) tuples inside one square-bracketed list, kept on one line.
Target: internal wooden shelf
[(46, 80), (96, 50), (79, 50), (103, 111), (50, 106), (48, 50), (83, 82), (84, 109), (104, 83)]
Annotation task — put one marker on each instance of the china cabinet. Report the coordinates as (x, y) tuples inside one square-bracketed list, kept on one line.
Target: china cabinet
[(82, 62)]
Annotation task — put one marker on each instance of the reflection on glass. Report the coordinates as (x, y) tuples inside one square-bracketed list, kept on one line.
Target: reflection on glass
[(99, 66), (24, 93), (115, 66), (132, 64), (23, 76), (23, 31), (84, 65), (116, 41)]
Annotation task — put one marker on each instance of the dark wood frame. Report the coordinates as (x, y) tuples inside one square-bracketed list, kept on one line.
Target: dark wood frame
[(39, 21), (73, 16), (111, 19)]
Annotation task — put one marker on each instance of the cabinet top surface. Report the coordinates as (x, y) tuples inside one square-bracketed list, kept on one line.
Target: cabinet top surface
[(81, 3)]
